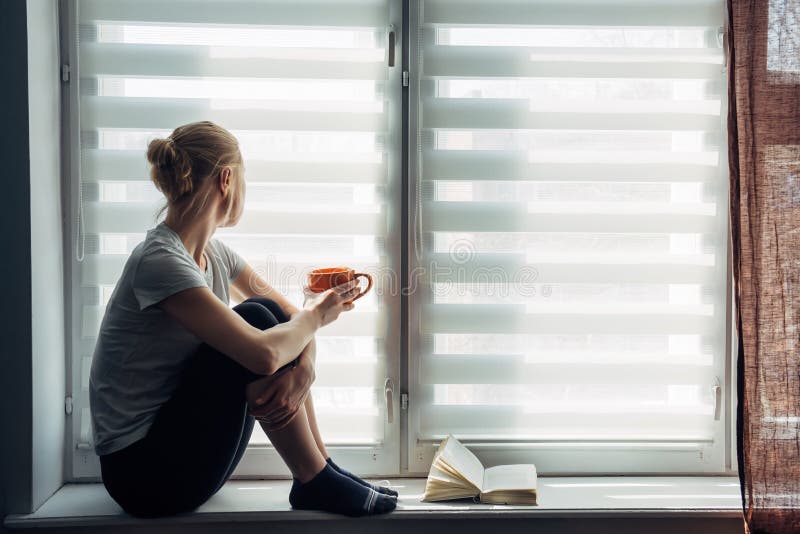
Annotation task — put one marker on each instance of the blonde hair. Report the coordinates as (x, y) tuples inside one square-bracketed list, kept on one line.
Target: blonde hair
[(184, 164)]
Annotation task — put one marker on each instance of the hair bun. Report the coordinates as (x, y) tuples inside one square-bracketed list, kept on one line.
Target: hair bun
[(171, 170)]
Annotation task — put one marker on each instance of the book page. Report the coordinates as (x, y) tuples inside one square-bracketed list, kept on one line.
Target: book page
[(461, 460), (510, 477), (440, 475)]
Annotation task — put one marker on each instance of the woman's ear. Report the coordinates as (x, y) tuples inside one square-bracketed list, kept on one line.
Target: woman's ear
[(225, 180)]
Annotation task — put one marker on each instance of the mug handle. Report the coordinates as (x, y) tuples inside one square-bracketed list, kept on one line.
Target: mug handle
[(369, 285)]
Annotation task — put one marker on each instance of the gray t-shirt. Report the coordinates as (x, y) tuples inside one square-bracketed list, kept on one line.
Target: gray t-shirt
[(141, 350)]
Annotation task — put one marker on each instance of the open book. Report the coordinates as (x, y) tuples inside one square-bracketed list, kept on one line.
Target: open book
[(456, 473)]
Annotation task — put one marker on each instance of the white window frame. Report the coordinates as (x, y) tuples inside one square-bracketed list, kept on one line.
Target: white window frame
[(259, 461), (401, 454), (717, 457), (383, 459)]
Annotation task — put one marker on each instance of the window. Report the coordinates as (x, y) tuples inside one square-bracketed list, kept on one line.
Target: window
[(306, 87), (571, 234), (567, 252)]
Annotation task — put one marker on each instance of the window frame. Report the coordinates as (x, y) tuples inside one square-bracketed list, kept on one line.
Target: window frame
[(714, 458), (259, 461), (382, 459), (401, 454)]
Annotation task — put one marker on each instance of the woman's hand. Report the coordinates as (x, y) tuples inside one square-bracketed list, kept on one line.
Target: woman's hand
[(330, 303), (275, 399)]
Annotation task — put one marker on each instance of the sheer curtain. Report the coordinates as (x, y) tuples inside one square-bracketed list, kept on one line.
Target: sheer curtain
[(764, 129)]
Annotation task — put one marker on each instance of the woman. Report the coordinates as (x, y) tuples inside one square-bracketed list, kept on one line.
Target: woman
[(178, 376)]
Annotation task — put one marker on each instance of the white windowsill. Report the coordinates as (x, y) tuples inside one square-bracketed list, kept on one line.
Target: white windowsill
[(267, 500)]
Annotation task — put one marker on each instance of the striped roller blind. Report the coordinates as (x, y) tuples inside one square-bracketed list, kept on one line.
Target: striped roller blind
[(303, 85), (572, 221)]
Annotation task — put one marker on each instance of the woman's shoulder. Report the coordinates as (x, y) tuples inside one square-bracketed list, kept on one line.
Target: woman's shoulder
[(232, 261), (157, 250), (217, 243), (221, 249), (157, 240), (161, 236)]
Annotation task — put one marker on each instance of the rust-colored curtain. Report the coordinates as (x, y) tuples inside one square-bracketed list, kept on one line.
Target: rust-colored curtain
[(764, 151)]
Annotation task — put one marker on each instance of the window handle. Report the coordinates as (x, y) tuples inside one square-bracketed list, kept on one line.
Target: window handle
[(391, 45), (717, 391), (388, 392)]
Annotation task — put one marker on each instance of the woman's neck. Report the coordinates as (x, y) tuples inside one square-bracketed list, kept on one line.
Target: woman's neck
[(194, 234)]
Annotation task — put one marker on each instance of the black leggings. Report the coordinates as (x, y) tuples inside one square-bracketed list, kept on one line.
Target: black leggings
[(198, 436)]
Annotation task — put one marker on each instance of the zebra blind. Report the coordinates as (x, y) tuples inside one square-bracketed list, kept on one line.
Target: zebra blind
[(572, 223), (303, 86)]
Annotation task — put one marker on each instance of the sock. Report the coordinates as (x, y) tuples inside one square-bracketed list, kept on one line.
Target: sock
[(330, 491), (345, 472)]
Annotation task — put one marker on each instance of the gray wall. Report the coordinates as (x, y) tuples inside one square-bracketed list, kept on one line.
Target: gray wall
[(15, 269), (31, 273)]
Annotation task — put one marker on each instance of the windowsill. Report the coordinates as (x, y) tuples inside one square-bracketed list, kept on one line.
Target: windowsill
[(79, 505)]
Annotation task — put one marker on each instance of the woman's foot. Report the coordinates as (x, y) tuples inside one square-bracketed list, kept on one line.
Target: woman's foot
[(331, 491), (345, 472)]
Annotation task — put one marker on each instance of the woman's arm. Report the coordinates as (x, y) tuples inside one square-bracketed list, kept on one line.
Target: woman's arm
[(261, 351), (250, 284), (274, 400)]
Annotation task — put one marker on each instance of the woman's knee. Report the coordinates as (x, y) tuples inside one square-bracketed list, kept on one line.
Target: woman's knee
[(272, 306), (256, 314)]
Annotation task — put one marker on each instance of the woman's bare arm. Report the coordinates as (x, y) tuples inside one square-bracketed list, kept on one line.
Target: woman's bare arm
[(261, 351)]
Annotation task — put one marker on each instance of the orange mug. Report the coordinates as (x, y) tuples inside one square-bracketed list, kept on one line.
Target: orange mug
[(320, 280)]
